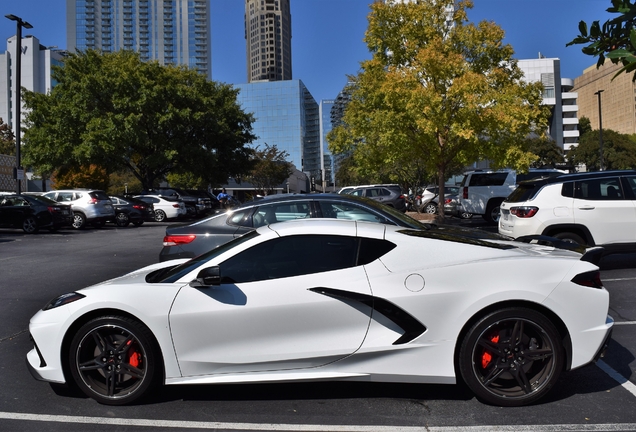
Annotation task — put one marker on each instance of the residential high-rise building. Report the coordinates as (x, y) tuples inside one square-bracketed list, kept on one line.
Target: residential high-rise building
[(268, 37), (169, 31)]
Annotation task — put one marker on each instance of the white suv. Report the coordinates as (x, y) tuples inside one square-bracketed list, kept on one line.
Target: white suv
[(481, 192), (596, 208)]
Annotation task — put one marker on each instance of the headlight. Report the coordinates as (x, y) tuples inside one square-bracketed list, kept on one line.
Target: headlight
[(63, 299)]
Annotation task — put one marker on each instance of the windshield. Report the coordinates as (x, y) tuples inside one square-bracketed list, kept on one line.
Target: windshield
[(173, 274)]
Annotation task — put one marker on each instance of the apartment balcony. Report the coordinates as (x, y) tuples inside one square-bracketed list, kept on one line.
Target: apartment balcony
[(569, 108), (570, 121), (571, 134)]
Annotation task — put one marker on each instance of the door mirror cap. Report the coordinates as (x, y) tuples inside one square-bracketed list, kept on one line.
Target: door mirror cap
[(210, 276)]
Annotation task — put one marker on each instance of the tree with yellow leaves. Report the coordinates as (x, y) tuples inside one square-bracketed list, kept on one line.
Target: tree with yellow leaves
[(440, 90)]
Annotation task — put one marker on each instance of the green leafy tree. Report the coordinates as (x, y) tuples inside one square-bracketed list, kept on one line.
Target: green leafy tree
[(7, 139), (615, 39), (119, 112), (270, 168), (446, 95), (585, 126), (619, 151), (547, 151)]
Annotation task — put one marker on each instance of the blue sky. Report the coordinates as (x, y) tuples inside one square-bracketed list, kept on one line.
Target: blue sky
[(327, 34)]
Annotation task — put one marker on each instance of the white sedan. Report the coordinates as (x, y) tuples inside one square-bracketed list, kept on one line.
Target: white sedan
[(317, 299), (164, 208)]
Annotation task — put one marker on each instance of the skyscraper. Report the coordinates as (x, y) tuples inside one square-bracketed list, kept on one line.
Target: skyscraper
[(268, 37), (169, 31)]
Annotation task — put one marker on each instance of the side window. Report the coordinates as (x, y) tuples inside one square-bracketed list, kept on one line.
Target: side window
[(269, 214), (357, 192), (374, 192), (241, 218), (604, 189), (567, 190), (346, 211), (65, 196), (291, 256), (488, 179), (630, 184)]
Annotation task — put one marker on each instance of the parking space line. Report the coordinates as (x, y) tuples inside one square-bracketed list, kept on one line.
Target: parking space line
[(624, 382), (306, 427), (619, 279), (624, 322)]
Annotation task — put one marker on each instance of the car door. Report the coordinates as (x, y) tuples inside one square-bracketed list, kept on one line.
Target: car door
[(269, 314), (8, 212), (600, 204)]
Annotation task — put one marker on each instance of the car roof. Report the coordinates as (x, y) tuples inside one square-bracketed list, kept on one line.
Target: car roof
[(579, 176)]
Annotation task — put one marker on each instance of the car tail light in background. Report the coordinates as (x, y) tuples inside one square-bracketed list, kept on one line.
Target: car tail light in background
[(175, 240), (448, 200), (139, 207), (465, 192), (176, 205), (524, 212), (54, 209), (590, 279), (93, 201)]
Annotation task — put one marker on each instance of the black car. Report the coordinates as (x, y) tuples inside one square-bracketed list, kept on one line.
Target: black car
[(190, 240), (32, 212), (132, 210), (196, 205)]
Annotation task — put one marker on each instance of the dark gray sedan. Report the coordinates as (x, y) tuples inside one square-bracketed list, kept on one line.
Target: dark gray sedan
[(193, 239)]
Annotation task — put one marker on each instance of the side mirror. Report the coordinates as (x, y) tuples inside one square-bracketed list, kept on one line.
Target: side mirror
[(207, 277)]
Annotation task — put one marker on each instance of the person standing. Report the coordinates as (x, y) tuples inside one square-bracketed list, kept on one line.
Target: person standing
[(223, 198)]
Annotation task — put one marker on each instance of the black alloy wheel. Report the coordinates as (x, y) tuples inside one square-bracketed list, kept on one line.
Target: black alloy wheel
[(122, 219), (30, 225), (511, 357), (114, 360)]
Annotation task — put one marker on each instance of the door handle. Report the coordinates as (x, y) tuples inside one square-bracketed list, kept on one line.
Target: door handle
[(586, 208)]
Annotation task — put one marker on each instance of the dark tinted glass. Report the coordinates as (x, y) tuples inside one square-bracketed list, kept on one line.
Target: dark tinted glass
[(523, 193), (488, 179), (372, 249), (567, 190), (603, 189)]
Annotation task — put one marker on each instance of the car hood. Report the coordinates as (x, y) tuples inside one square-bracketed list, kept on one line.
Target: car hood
[(139, 276)]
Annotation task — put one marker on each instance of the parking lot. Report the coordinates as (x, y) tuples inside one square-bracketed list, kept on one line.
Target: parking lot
[(35, 268)]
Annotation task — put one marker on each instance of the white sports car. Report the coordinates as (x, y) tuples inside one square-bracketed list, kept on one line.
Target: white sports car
[(318, 299)]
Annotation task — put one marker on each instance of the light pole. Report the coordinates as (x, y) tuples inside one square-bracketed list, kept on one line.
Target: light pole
[(18, 87), (600, 129)]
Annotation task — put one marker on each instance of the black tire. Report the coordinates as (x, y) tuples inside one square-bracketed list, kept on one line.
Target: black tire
[(79, 220), (138, 223), (430, 208), (511, 357), (160, 215), (493, 211), (570, 237), (30, 225), (122, 220), (114, 360)]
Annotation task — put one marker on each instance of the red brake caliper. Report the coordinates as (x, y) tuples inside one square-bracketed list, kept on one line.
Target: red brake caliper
[(134, 358), (486, 357)]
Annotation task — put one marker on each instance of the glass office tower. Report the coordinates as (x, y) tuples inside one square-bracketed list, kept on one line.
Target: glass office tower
[(286, 115), (169, 31), (325, 127)]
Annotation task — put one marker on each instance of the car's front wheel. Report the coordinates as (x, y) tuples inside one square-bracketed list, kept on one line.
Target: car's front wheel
[(114, 360), (430, 208), (79, 221), (122, 220), (511, 357), (30, 225), (160, 215)]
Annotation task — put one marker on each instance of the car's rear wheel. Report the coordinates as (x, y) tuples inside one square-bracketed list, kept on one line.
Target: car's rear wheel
[(430, 208), (30, 225), (511, 357), (79, 220), (114, 360), (122, 220), (570, 237), (465, 215), (160, 215), (493, 212)]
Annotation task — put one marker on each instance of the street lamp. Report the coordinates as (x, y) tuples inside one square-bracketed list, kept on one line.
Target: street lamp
[(600, 128), (18, 87)]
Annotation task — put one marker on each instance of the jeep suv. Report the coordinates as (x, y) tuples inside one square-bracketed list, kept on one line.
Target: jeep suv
[(90, 206), (483, 191), (596, 208)]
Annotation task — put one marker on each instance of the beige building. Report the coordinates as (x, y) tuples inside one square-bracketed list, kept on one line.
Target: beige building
[(618, 98)]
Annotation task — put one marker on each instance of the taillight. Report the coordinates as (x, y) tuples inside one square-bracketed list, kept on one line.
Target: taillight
[(175, 205), (54, 209), (448, 200), (139, 207), (93, 201), (175, 240), (524, 212), (590, 279), (465, 192)]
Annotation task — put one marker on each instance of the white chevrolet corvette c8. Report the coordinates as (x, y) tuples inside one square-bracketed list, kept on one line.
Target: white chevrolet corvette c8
[(320, 299)]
